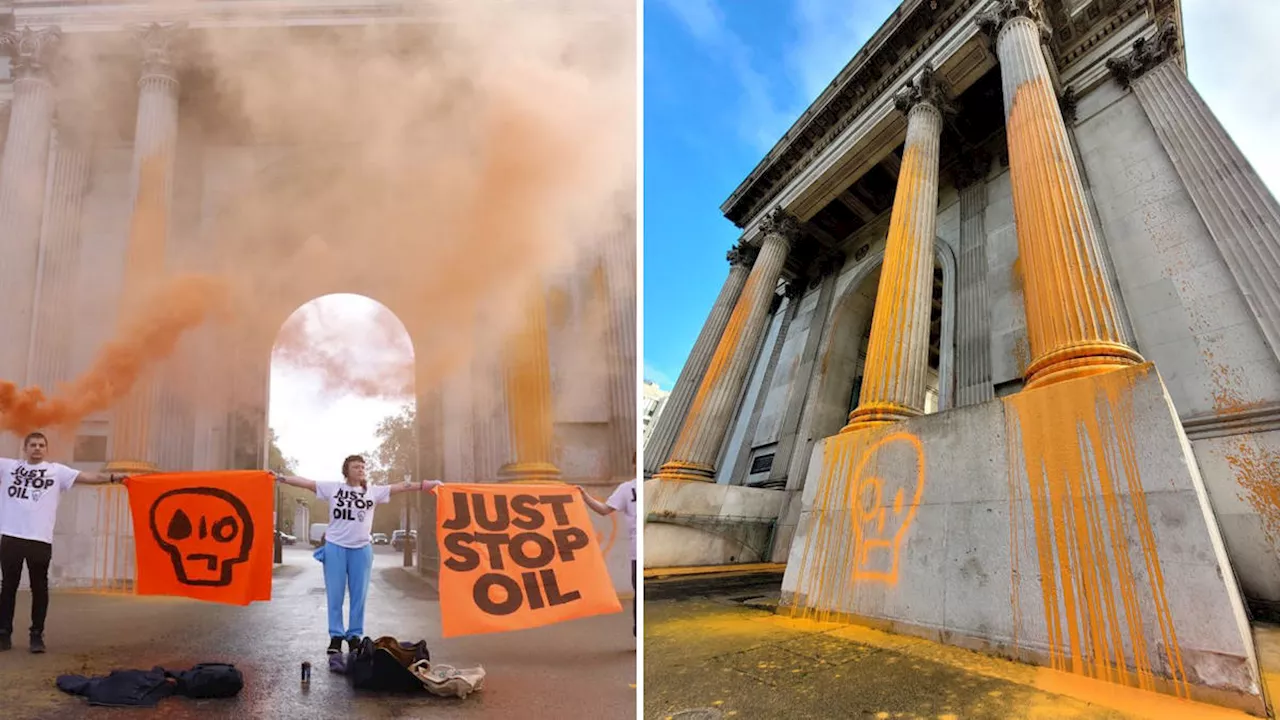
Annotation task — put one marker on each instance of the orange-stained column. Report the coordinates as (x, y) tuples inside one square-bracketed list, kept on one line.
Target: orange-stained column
[(529, 403), (1072, 321), (155, 137), (698, 444), (897, 366)]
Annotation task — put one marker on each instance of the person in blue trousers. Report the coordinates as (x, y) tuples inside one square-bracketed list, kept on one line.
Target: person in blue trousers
[(347, 553)]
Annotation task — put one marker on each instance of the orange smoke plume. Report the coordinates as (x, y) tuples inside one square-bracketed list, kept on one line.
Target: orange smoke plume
[(147, 338)]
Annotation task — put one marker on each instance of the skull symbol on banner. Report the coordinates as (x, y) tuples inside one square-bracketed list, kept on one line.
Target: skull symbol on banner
[(206, 532)]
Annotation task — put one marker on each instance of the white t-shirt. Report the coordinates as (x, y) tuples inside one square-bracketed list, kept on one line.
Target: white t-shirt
[(29, 497), (351, 511), (623, 500)]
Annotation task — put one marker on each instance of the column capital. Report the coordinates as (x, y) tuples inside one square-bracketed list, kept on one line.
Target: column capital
[(783, 224), (157, 43), (1146, 54), (742, 254), (994, 20), (925, 89), (31, 52)]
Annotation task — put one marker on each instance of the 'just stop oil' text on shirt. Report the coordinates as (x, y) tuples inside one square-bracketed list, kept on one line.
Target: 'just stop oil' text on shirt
[(351, 511)]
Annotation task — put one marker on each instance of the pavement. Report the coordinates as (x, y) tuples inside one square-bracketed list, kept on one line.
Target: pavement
[(583, 668), (731, 655)]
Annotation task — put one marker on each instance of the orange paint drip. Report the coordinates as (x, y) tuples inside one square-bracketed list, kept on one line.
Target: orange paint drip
[(1072, 323), (897, 351), (1073, 447)]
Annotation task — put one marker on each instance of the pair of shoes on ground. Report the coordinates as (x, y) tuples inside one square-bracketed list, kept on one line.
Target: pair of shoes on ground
[(335, 644), (447, 680), (36, 644)]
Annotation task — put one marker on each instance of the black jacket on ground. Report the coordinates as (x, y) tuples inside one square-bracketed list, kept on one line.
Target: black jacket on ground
[(122, 688)]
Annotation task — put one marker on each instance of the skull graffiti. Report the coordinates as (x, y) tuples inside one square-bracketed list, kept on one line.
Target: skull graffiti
[(205, 531)]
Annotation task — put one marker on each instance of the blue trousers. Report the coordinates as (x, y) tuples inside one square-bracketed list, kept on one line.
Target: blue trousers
[(346, 571)]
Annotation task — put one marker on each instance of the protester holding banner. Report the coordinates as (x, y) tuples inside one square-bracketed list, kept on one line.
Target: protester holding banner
[(623, 499), (347, 553), (29, 493)]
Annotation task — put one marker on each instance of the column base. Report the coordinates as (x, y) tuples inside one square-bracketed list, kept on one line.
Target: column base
[(877, 414), (1077, 361), (529, 472), (686, 471), (131, 467)]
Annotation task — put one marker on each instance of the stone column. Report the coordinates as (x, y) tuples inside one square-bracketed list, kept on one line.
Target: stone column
[(973, 383), (709, 415), (1241, 214), (825, 271), (529, 399), (135, 439), (1073, 325), (59, 257), (657, 449), (897, 367), (615, 284), (23, 177)]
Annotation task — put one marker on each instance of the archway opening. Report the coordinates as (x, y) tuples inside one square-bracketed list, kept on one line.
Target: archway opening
[(342, 383), (932, 399)]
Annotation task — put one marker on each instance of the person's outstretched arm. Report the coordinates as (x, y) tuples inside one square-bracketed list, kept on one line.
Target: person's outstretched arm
[(298, 482), (98, 478), (594, 504), (410, 486)]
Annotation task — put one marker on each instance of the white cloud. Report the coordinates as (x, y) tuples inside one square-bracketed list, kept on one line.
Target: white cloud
[(830, 32), (664, 381), (761, 122)]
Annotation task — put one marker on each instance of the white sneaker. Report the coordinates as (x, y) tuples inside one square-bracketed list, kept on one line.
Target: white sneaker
[(446, 680)]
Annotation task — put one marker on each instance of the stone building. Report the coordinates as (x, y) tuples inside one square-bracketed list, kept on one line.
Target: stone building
[(109, 111), (996, 358)]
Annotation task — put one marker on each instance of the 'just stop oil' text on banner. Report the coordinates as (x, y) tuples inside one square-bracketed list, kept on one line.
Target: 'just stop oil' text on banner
[(516, 557), (204, 535)]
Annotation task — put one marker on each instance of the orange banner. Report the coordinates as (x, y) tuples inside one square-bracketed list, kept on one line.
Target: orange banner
[(204, 535), (516, 557)]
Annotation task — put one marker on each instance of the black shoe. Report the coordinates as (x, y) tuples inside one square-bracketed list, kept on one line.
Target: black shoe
[(6, 642), (37, 642), (352, 642), (335, 646)]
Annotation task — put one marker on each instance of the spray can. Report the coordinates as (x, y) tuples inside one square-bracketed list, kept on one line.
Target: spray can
[(306, 673)]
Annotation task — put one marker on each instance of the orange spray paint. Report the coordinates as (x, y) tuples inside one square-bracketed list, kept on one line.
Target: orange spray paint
[(1073, 447)]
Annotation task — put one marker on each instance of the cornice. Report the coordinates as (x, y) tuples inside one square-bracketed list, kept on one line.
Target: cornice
[(877, 68), (883, 64), (117, 17)]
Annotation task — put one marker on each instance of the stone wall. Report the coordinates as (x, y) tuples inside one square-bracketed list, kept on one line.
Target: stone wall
[(1191, 320)]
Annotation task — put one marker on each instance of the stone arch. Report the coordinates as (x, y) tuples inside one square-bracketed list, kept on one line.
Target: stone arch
[(826, 408)]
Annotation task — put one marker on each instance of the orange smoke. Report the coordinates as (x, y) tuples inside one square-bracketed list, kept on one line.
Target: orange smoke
[(372, 359), (145, 339)]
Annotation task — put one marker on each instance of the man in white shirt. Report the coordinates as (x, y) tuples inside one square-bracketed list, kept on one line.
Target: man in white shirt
[(623, 499), (29, 492)]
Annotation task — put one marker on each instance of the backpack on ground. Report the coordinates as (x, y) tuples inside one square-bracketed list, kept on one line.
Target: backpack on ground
[(384, 664), (210, 680)]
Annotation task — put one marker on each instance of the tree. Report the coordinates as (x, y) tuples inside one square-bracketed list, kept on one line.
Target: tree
[(395, 458), (276, 461), (287, 495)]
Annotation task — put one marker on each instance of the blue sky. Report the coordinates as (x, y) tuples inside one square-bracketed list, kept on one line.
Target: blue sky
[(723, 79)]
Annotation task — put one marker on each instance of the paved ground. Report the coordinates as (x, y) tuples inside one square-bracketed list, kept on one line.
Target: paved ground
[(715, 657), (582, 669)]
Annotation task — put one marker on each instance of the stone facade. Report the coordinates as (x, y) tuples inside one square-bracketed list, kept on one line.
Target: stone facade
[(1101, 228), (73, 185)]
